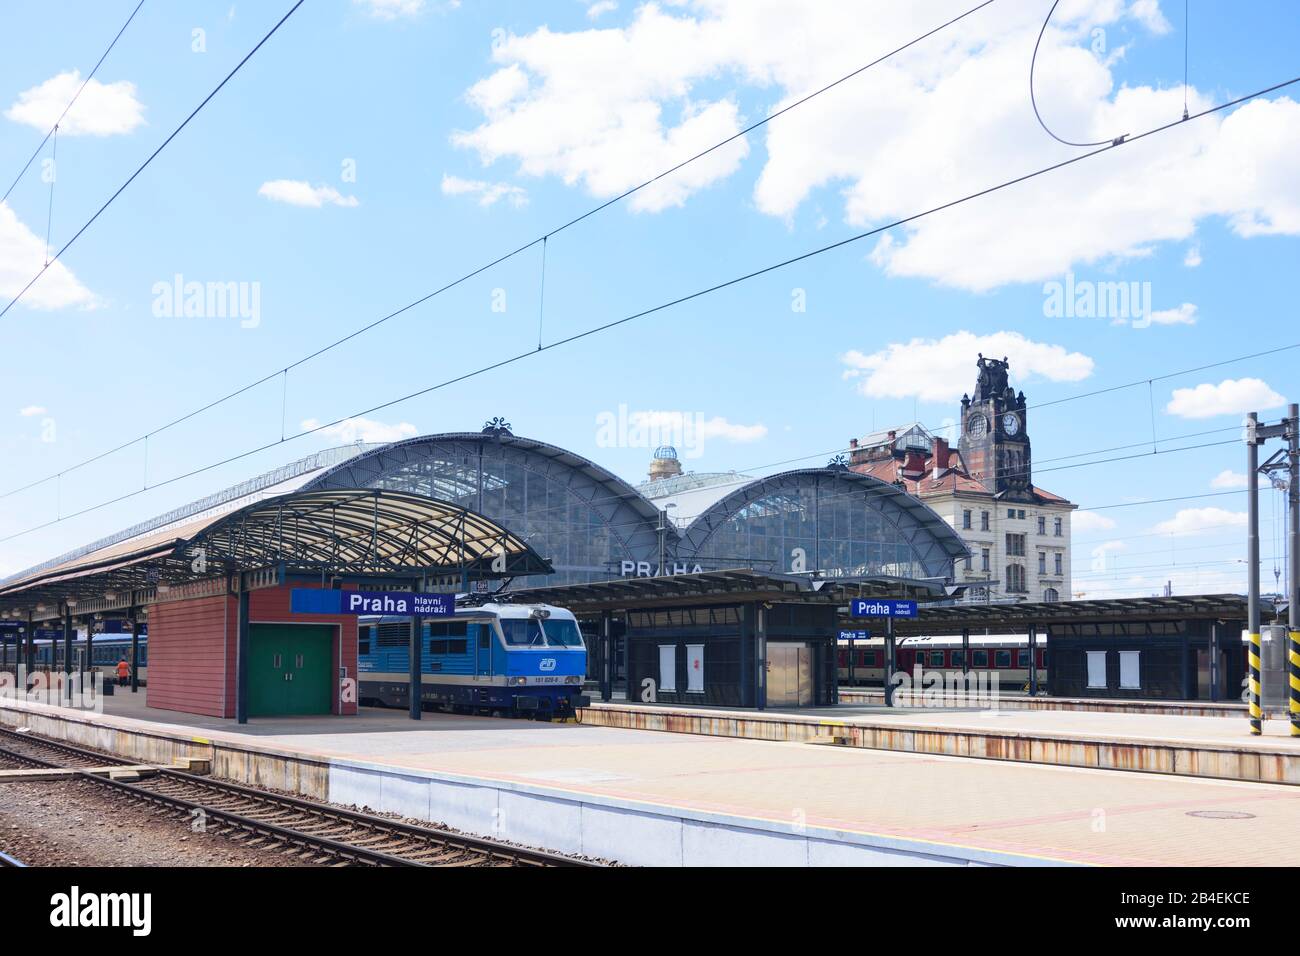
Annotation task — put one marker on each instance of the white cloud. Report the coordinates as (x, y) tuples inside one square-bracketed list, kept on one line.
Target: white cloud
[(102, 109), (391, 9), (1229, 479), (1193, 257), (1090, 521), (1185, 314), (1190, 521), (941, 370), (605, 109), (297, 192), (600, 8), (31, 411), (487, 193), (22, 254), (362, 429), (1229, 397)]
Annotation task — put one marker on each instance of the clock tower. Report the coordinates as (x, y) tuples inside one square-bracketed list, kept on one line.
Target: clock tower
[(994, 440)]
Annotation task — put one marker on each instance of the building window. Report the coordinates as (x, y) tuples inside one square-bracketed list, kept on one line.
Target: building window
[(1011, 512), (1097, 670), (965, 520), (1016, 545), (968, 562), (1129, 671), (1058, 563), (1059, 526), (1051, 595), (984, 521), (1016, 578), (984, 559), (1042, 562), (1042, 524)]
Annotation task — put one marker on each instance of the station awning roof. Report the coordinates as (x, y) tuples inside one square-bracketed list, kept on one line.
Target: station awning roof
[(714, 587), (951, 618), (342, 532)]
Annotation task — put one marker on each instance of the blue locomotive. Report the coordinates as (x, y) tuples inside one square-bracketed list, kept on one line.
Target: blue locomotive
[(508, 659)]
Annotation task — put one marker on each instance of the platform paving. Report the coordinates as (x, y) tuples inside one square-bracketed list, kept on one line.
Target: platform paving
[(971, 808)]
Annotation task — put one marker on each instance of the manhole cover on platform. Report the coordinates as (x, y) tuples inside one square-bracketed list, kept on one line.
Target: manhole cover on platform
[(1221, 814)]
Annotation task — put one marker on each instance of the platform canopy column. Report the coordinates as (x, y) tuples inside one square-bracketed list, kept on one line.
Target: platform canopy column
[(241, 654), (135, 649), (67, 651)]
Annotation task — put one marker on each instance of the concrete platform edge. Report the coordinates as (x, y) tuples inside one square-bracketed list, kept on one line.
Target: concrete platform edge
[(568, 821)]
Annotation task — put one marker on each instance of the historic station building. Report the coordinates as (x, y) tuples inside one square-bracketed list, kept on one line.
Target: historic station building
[(1018, 533)]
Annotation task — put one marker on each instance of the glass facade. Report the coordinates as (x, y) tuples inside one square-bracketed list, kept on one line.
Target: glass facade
[(810, 521), (584, 520), (588, 522)]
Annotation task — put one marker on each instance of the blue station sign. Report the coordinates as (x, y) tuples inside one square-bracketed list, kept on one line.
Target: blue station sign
[(878, 607), (854, 635), (396, 603)]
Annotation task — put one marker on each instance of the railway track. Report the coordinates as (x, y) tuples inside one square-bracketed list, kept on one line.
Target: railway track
[(7, 860), (315, 833)]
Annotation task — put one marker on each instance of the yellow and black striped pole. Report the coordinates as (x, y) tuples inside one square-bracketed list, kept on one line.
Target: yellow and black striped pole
[(1256, 713), (1293, 560), (1293, 661)]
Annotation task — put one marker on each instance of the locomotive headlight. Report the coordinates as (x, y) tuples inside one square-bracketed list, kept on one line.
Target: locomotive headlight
[(519, 681), (573, 679)]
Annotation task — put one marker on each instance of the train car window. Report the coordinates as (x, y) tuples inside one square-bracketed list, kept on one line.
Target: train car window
[(936, 658), (958, 658), (363, 645), (484, 635), (980, 658), (1002, 658), (1022, 658), (457, 646), (438, 647)]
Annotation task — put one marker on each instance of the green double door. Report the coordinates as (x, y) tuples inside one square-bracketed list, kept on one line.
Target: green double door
[(289, 669)]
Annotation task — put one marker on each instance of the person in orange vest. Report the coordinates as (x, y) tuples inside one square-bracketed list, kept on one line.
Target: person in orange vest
[(123, 672)]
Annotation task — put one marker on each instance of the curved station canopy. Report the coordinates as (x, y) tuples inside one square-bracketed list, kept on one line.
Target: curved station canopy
[(342, 532)]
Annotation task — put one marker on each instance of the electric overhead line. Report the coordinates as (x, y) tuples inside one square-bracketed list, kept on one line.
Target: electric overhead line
[(89, 76), (141, 168), (680, 300), (1033, 60), (543, 239)]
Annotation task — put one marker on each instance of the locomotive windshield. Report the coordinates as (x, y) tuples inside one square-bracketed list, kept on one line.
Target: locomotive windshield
[(562, 633), (533, 632)]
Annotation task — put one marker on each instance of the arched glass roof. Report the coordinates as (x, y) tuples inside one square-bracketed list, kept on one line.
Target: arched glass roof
[(583, 518), (835, 521)]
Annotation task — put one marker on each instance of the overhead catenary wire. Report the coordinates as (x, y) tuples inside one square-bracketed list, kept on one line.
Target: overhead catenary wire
[(502, 258), (1033, 100), (141, 168), (680, 300), (89, 76)]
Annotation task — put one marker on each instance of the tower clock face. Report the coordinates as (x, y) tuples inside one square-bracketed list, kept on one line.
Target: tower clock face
[(1010, 424), (977, 426)]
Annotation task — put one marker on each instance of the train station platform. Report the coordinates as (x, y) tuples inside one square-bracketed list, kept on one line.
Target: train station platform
[(1191, 746), (1017, 700), (643, 797)]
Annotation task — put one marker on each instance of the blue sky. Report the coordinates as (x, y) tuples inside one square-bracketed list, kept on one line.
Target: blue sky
[(373, 151)]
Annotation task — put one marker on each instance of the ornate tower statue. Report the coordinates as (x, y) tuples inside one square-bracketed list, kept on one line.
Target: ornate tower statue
[(994, 432)]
